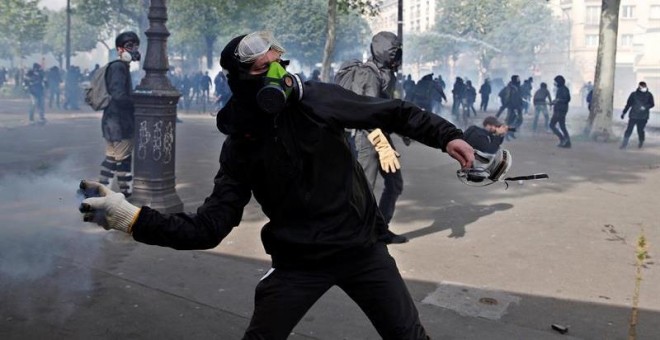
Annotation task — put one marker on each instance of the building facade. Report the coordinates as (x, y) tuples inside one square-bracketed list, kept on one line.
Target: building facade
[(638, 51)]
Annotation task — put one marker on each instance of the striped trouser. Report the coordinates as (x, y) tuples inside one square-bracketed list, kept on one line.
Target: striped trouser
[(118, 161)]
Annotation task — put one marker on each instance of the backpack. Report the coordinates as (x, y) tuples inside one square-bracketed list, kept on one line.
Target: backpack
[(505, 94), (350, 74), (96, 95)]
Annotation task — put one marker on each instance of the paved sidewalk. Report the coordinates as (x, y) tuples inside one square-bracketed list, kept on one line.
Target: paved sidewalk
[(482, 263)]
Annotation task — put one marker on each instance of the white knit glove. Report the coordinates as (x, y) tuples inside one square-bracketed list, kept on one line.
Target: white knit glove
[(107, 208), (389, 158)]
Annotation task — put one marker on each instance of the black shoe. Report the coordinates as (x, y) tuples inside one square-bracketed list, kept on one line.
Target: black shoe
[(392, 238), (566, 145), (641, 143)]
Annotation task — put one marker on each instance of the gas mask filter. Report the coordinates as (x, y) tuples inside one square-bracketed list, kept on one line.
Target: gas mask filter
[(130, 52), (493, 169), (278, 88)]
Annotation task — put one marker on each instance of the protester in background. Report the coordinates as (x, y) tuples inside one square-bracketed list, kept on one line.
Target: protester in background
[(34, 84), (205, 86), (426, 92), (118, 121), (408, 87), (526, 94), (560, 109), (639, 103), (316, 75), (487, 139), (54, 79), (542, 99), (72, 88), (3, 76), (484, 90), (512, 101), (458, 94), (470, 97), (377, 79), (221, 89)]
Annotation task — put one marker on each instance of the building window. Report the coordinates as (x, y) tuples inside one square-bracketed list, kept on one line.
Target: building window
[(627, 12), (655, 12), (591, 40), (627, 40), (593, 15)]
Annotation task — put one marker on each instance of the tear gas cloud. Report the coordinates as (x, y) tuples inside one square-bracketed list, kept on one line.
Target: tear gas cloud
[(44, 245)]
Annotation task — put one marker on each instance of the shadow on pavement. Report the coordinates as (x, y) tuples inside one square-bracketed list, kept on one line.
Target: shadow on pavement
[(457, 222)]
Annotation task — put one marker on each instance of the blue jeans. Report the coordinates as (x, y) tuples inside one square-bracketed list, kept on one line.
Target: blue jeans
[(540, 108)]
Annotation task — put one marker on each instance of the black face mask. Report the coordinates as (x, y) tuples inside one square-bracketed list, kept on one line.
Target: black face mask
[(245, 86)]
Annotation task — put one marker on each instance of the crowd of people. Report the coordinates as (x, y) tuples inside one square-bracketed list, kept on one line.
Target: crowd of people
[(53, 87)]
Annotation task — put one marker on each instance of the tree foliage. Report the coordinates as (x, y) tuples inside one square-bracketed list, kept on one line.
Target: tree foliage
[(302, 30), (513, 29), (23, 26), (341, 6), (84, 36)]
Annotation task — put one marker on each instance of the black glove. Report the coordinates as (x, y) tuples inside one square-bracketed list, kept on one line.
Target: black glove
[(623, 115)]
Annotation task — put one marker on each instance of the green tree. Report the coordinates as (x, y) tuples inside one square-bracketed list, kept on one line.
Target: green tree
[(513, 29), (301, 29), (341, 6), (84, 36), (23, 26), (201, 20), (113, 16)]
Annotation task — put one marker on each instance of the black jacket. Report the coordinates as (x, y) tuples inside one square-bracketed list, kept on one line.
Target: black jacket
[(482, 140), (639, 103), (562, 99), (117, 122), (302, 173)]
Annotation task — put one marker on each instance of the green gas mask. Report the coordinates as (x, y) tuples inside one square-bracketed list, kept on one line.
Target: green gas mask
[(279, 86)]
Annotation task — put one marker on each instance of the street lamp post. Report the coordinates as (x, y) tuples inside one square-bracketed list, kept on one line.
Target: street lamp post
[(155, 121), (68, 36)]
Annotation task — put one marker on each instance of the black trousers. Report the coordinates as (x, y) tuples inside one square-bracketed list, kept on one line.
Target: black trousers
[(484, 103), (373, 281), (559, 118), (641, 124)]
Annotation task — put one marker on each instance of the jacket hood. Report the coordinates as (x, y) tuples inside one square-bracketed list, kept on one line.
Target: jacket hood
[(386, 50), (427, 77), (560, 80)]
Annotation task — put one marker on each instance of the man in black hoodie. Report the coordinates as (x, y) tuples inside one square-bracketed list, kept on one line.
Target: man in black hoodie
[(639, 103), (377, 78), (559, 111), (324, 224)]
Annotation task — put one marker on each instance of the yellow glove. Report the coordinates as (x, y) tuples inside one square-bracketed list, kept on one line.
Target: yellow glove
[(107, 208), (386, 154)]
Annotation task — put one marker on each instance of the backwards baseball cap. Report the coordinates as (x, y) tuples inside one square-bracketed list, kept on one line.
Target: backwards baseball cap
[(491, 120)]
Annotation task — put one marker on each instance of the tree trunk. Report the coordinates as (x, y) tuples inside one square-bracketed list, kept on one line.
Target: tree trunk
[(599, 123), (330, 40), (210, 41)]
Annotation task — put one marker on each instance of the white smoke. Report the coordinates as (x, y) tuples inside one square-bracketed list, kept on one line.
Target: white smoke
[(44, 245)]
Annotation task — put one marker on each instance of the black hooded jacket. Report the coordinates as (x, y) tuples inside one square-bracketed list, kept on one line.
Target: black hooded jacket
[(563, 96), (639, 103), (301, 171), (118, 121)]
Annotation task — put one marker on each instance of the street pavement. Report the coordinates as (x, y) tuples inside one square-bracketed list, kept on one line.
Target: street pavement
[(482, 263)]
